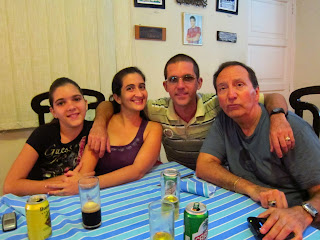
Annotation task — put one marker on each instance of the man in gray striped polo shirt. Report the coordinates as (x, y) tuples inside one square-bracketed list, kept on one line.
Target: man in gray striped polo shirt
[(187, 115)]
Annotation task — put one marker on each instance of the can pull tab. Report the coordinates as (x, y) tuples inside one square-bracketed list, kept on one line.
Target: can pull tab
[(196, 206), (40, 199)]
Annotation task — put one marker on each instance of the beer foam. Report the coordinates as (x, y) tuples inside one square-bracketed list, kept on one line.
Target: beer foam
[(90, 207)]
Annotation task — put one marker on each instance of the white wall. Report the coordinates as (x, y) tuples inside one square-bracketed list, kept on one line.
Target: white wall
[(11, 142), (151, 56), (307, 59)]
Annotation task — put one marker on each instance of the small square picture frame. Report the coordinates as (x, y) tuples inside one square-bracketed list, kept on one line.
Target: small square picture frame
[(150, 3), (227, 6), (192, 29)]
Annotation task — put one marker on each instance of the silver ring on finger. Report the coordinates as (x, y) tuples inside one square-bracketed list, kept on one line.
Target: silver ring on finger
[(287, 139), (272, 203)]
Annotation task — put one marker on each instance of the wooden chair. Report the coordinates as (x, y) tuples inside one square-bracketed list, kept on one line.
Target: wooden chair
[(43, 109), (299, 106)]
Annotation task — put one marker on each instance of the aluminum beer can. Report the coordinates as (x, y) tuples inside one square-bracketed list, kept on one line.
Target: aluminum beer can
[(196, 221), (38, 217)]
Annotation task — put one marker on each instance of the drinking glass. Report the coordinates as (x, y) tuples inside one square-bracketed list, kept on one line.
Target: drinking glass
[(170, 188), (161, 220), (89, 191)]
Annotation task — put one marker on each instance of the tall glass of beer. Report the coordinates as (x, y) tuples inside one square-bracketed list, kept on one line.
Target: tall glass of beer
[(170, 188), (161, 220), (89, 191)]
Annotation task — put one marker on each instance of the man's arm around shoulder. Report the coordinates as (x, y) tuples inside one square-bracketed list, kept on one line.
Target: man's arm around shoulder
[(98, 139)]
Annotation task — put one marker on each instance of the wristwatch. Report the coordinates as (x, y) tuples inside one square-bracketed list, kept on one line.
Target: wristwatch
[(278, 110), (310, 209)]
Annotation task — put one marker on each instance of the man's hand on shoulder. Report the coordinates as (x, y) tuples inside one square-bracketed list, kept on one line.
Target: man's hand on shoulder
[(98, 140), (281, 135), (281, 222)]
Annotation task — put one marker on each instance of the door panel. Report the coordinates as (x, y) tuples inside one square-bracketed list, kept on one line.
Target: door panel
[(271, 73), (270, 44)]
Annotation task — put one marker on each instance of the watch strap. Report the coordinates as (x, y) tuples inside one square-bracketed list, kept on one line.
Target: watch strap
[(310, 209), (278, 110)]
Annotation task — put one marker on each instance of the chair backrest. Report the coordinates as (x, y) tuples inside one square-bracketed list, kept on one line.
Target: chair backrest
[(299, 105), (43, 109)]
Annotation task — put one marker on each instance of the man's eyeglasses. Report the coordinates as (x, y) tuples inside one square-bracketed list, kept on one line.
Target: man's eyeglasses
[(186, 79)]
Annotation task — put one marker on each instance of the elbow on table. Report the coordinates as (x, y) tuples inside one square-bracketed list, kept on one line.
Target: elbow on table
[(139, 173), (139, 176), (199, 172), (13, 187), (200, 168), (8, 188)]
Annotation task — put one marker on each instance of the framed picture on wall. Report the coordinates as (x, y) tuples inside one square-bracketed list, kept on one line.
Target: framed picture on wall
[(228, 6), (150, 3), (192, 29), (150, 33)]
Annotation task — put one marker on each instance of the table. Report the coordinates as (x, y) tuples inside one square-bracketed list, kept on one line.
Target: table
[(125, 212)]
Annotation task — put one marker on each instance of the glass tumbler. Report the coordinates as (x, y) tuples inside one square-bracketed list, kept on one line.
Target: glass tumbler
[(170, 188), (89, 191), (161, 220)]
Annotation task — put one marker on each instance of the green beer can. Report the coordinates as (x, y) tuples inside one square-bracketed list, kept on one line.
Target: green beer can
[(196, 221)]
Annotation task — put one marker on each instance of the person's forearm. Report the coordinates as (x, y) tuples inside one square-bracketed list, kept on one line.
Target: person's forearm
[(89, 160), (24, 187), (275, 100), (104, 112), (98, 138), (120, 176), (215, 173)]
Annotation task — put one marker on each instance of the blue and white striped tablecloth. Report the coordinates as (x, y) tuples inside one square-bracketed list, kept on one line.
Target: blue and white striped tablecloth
[(125, 212)]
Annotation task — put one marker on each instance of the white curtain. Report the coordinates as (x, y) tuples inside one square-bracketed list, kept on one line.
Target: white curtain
[(41, 40)]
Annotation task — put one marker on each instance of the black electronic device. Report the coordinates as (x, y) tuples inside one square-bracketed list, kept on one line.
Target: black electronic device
[(9, 221), (256, 223)]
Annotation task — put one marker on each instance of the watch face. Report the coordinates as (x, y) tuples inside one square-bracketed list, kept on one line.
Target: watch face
[(278, 110)]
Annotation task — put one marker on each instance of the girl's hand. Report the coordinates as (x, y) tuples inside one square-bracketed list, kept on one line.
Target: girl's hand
[(69, 186)]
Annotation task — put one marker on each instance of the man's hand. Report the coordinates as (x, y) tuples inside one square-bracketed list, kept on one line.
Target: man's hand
[(265, 195), (98, 140), (281, 222), (280, 133)]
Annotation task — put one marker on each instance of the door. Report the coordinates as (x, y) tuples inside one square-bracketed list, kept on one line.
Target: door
[(271, 44)]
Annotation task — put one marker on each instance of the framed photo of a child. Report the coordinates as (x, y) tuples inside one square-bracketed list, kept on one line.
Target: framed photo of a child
[(192, 29)]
